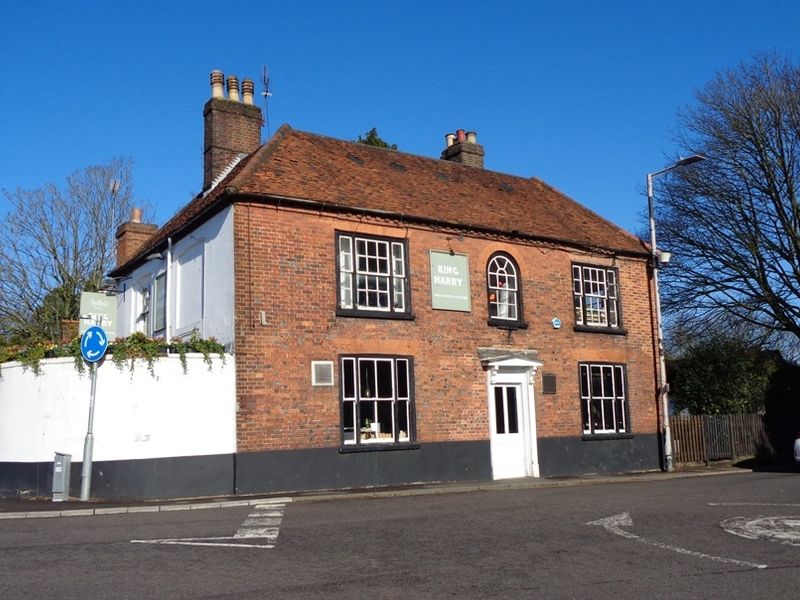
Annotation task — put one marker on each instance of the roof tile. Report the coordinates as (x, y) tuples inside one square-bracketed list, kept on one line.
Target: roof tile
[(349, 175)]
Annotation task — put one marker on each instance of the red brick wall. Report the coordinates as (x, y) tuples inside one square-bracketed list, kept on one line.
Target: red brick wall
[(130, 237), (285, 266), (229, 128)]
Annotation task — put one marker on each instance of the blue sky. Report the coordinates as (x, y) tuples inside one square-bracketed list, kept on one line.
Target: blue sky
[(583, 95)]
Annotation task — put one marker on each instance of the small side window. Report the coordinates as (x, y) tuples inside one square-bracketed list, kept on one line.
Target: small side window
[(159, 300)]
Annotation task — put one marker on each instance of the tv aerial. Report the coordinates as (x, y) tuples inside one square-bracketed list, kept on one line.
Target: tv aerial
[(266, 93)]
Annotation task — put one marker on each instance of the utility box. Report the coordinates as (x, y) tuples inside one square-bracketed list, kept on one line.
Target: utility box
[(61, 467)]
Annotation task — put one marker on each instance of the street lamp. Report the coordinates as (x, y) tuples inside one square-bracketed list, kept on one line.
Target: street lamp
[(657, 260)]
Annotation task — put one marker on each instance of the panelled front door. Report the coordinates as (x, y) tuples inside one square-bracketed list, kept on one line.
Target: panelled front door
[(508, 450), (513, 443)]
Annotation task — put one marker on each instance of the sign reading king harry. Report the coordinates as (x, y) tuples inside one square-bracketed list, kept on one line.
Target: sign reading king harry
[(99, 308), (449, 281)]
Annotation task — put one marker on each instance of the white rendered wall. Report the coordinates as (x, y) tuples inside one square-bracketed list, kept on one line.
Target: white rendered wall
[(218, 276), (136, 415), (127, 307), (199, 283)]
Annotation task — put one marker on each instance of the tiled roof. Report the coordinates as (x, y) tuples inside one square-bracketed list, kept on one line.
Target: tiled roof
[(350, 176)]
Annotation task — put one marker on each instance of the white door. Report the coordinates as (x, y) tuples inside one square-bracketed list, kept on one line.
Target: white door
[(508, 444), (513, 425)]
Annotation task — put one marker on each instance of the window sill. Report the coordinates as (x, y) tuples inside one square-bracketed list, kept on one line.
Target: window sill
[(374, 314), (594, 437), (351, 448), (608, 330), (508, 325)]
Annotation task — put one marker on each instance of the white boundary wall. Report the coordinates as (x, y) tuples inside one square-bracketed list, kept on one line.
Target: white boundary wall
[(136, 415)]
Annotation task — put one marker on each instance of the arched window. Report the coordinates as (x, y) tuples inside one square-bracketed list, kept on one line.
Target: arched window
[(503, 286)]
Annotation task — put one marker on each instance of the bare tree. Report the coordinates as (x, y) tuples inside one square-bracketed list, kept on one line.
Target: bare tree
[(733, 222), (54, 243)]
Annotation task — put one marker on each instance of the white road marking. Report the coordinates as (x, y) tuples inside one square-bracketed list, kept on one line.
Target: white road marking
[(753, 504), (785, 530), (209, 541), (615, 523), (263, 523)]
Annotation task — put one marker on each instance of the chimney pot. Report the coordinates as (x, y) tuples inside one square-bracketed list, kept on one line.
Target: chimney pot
[(463, 147), (247, 91), (233, 88), (231, 127), (217, 79), (131, 236)]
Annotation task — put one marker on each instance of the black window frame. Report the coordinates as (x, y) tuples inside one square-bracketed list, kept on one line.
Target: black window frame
[(585, 386), (581, 323), (353, 311), (360, 438), (504, 322)]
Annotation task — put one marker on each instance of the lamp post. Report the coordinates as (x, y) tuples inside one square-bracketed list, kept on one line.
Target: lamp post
[(658, 259)]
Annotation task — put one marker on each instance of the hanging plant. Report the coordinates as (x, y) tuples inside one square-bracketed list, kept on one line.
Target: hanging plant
[(137, 345), (122, 351), (7, 353), (30, 357), (73, 349), (196, 344)]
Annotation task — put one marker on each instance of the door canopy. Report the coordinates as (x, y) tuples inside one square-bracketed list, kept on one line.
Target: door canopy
[(502, 359)]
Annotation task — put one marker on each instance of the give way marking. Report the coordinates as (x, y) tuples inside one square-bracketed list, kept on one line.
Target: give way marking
[(615, 523), (259, 530)]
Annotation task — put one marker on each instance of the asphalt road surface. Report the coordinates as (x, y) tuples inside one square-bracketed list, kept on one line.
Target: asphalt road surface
[(731, 536)]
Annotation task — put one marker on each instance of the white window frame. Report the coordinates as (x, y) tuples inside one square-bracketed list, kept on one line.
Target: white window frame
[(503, 283), (604, 401), (374, 413), (145, 304), (140, 305), (595, 293), (372, 275)]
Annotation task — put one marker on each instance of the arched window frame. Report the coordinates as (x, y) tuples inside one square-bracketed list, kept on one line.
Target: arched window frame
[(504, 291)]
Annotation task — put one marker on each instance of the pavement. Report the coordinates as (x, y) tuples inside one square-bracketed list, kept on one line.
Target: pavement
[(28, 508)]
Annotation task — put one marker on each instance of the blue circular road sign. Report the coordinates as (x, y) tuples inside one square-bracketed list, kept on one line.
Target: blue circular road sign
[(94, 343)]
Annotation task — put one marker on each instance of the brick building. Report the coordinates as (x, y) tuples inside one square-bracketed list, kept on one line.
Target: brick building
[(396, 318)]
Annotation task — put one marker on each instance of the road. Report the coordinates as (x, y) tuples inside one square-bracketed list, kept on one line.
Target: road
[(654, 539)]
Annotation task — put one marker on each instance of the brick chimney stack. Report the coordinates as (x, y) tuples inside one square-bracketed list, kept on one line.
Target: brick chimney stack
[(131, 235), (231, 127), (463, 147)]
